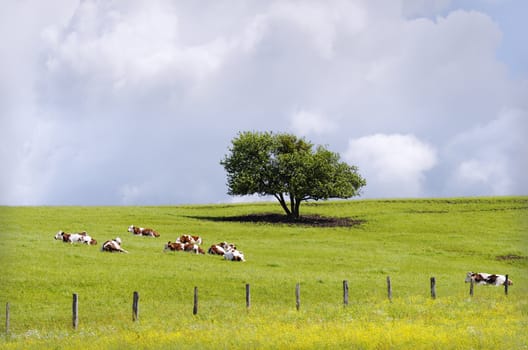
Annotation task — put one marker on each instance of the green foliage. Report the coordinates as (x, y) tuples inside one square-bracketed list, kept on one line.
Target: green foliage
[(283, 165), (410, 240)]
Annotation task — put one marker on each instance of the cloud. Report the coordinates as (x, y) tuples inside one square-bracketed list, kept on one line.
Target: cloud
[(394, 165), (493, 156), (136, 102), (419, 8), (475, 172), (305, 123)]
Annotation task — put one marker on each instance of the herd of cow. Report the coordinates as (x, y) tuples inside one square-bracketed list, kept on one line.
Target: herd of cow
[(184, 243), (191, 244)]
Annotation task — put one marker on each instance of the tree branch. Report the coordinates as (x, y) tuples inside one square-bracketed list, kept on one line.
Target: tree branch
[(282, 202)]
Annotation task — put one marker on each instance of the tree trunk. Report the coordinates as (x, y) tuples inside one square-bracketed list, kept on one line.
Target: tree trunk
[(297, 212), (282, 202), (292, 205)]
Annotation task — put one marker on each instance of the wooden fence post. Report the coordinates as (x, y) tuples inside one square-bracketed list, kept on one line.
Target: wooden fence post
[(298, 296), (345, 292), (389, 288), (75, 311), (471, 287), (248, 296), (195, 307), (506, 285), (135, 307), (433, 287), (7, 319)]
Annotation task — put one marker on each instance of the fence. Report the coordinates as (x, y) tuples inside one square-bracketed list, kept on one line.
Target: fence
[(135, 300)]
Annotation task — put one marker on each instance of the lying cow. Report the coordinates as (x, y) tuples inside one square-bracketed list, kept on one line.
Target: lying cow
[(82, 237), (69, 237), (185, 238), (184, 247), (140, 231), (193, 248), (88, 240), (174, 246), (486, 278), (216, 249), (113, 245), (234, 255), (221, 248)]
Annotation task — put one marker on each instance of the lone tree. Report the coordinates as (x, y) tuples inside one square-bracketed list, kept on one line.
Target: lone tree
[(288, 168)]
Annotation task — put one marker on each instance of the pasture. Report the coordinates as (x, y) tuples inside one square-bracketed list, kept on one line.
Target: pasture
[(408, 240)]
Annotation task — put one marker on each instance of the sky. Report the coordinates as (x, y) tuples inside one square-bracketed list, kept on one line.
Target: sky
[(132, 102)]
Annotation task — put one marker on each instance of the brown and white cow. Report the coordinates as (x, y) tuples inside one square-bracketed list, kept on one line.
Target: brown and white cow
[(486, 278), (68, 237), (193, 248), (186, 238), (174, 246), (141, 231), (221, 248), (216, 249), (87, 239), (184, 247), (81, 237), (113, 245), (234, 255)]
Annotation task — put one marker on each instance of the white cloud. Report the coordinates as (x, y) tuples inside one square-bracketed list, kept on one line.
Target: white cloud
[(305, 123), (416, 8), (251, 199), (319, 22), (136, 102), (128, 47), (492, 158), (393, 165), (492, 174)]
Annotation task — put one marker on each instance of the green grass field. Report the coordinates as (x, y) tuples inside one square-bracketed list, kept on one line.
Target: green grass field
[(408, 240)]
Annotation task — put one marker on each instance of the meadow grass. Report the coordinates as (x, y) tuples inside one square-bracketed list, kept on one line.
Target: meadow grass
[(408, 240)]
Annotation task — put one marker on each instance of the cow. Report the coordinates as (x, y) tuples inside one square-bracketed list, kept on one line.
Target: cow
[(113, 245), (221, 248), (86, 239), (141, 231), (81, 237), (174, 246), (186, 238), (227, 246), (216, 249), (486, 278), (184, 247), (234, 255), (193, 248)]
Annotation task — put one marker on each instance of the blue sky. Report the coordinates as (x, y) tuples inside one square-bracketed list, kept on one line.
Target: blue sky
[(136, 102)]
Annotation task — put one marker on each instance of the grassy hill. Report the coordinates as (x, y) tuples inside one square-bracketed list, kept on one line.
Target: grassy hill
[(408, 240)]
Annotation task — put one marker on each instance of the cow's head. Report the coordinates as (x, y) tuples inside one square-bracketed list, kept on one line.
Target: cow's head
[(131, 228), (469, 277), (59, 235)]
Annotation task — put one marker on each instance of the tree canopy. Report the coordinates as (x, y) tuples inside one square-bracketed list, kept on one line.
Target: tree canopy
[(289, 168)]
